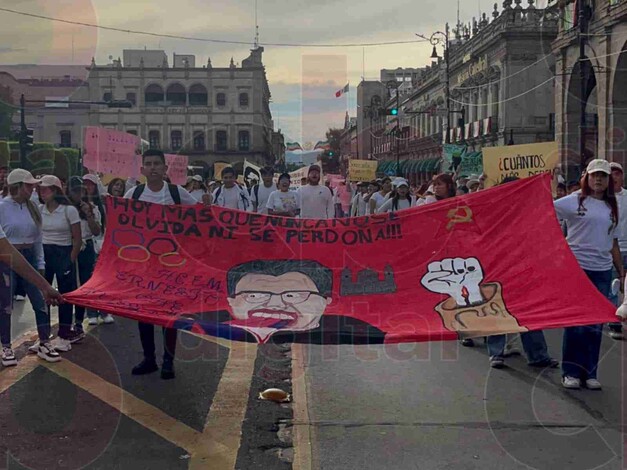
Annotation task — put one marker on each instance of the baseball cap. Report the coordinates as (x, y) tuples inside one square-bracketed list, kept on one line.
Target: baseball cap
[(92, 178), (197, 178), (599, 165), (314, 168), (51, 180), (616, 166), (398, 182), (20, 175)]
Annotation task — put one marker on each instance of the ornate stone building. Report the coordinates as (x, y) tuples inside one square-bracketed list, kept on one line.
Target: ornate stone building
[(604, 86), (500, 74)]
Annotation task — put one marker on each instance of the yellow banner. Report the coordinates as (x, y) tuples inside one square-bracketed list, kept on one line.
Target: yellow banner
[(518, 160), (362, 170), (217, 170)]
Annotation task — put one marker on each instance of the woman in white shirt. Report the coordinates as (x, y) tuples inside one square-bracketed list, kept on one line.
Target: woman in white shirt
[(198, 189), (22, 223), (591, 217), (377, 199), (400, 198), (62, 240), (283, 201)]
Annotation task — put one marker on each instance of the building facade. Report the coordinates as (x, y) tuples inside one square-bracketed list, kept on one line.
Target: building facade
[(500, 89), (603, 91)]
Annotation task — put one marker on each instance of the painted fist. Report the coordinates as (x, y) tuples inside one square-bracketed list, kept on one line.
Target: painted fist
[(460, 278)]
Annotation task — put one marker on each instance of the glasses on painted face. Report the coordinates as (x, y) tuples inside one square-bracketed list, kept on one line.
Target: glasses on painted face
[(288, 297)]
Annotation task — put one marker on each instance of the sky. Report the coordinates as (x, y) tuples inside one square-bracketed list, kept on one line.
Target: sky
[(302, 79)]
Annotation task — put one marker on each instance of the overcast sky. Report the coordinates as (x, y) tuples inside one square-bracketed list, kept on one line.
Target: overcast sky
[(303, 80)]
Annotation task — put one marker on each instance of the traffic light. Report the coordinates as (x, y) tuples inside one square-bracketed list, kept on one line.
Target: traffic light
[(330, 153), (27, 140), (391, 112)]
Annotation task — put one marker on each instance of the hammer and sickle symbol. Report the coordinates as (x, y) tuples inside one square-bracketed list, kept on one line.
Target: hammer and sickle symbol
[(455, 217)]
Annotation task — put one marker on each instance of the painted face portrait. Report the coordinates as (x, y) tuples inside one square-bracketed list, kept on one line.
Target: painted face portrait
[(290, 301)]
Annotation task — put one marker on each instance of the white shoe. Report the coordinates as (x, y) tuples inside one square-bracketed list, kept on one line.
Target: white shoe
[(92, 321), (593, 384), (108, 319), (61, 344), (48, 353), (618, 335), (572, 383), (8, 357), (34, 349), (19, 298)]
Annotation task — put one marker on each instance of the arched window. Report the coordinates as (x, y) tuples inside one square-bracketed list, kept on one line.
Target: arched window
[(65, 138), (198, 95), (175, 95), (153, 96), (176, 140), (199, 140), (221, 140), (243, 140), (243, 100), (154, 139), (221, 99)]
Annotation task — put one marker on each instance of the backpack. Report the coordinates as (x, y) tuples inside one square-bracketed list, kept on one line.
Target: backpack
[(241, 195), (174, 192)]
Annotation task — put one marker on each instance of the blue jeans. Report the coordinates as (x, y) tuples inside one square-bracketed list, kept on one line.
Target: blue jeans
[(581, 345), (36, 298), (533, 343), (59, 265)]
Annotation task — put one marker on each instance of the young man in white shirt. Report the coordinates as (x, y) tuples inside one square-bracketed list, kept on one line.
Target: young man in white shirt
[(616, 329), (230, 195), (157, 191), (316, 200), (260, 193)]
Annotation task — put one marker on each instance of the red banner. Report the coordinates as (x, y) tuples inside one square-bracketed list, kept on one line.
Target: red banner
[(487, 263)]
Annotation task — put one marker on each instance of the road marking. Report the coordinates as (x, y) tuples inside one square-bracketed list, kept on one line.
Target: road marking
[(302, 424)]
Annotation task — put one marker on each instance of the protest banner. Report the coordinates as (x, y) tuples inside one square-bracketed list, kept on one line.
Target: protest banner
[(177, 168), (111, 152), (362, 170), (217, 169), (521, 161), (453, 269), (458, 156), (252, 174)]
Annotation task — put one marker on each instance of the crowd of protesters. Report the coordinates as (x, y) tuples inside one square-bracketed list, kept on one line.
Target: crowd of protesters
[(53, 229)]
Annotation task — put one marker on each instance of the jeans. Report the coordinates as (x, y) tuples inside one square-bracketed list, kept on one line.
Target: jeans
[(614, 298), (59, 265), (86, 262), (581, 345), (147, 337), (42, 316), (533, 343)]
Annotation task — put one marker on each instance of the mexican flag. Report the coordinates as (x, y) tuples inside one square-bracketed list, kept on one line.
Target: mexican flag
[(342, 91), (322, 145), (292, 146)]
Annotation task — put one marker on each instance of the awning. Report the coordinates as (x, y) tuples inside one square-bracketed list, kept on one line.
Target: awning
[(432, 164)]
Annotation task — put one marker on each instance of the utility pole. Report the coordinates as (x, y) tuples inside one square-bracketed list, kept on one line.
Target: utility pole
[(582, 84), (398, 136), (22, 132)]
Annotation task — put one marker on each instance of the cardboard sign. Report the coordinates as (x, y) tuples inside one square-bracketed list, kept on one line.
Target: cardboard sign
[(362, 170), (177, 168), (454, 269), (111, 152), (521, 161), (217, 169)]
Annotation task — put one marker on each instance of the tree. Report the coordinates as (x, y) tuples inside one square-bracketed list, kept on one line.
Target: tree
[(330, 159), (6, 112)]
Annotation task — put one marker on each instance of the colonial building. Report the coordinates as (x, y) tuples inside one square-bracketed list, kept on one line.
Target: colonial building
[(209, 113), (500, 88), (603, 92)]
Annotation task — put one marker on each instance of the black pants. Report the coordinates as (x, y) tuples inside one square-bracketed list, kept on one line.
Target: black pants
[(147, 337)]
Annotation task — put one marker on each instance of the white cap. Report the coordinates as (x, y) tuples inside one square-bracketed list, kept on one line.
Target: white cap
[(92, 178), (197, 178), (398, 182), (616, 166), (21, 176), (599, 165), (51, 180), (473, 180)]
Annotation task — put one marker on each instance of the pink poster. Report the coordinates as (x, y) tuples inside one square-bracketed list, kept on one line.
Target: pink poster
[(111, 152), (177, 168)]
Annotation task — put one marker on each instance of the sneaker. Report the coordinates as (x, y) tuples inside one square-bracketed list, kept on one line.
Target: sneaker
[(167, 372), (469, 343), (60, 344), (617, 335), (497, 362), (19, 298), (76, 336), (108, 319), (92, 321), (8, 357), (145, 367), (572, 383), (593, 384), (48, 353), (550, 363), (34, 349)]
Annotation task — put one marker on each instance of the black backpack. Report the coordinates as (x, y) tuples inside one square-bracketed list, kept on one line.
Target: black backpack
[(174, 192), (241, 195)]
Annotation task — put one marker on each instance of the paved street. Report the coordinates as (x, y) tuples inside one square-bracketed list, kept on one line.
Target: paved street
[(440, 406)]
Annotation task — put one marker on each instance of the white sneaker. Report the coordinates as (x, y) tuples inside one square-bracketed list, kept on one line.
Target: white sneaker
[(19, 298), (618, 335), (108, 319), (48, 353), (572, 383), (8, 357), (593, 384), (34, 349), (92, 321), (61, 344)]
